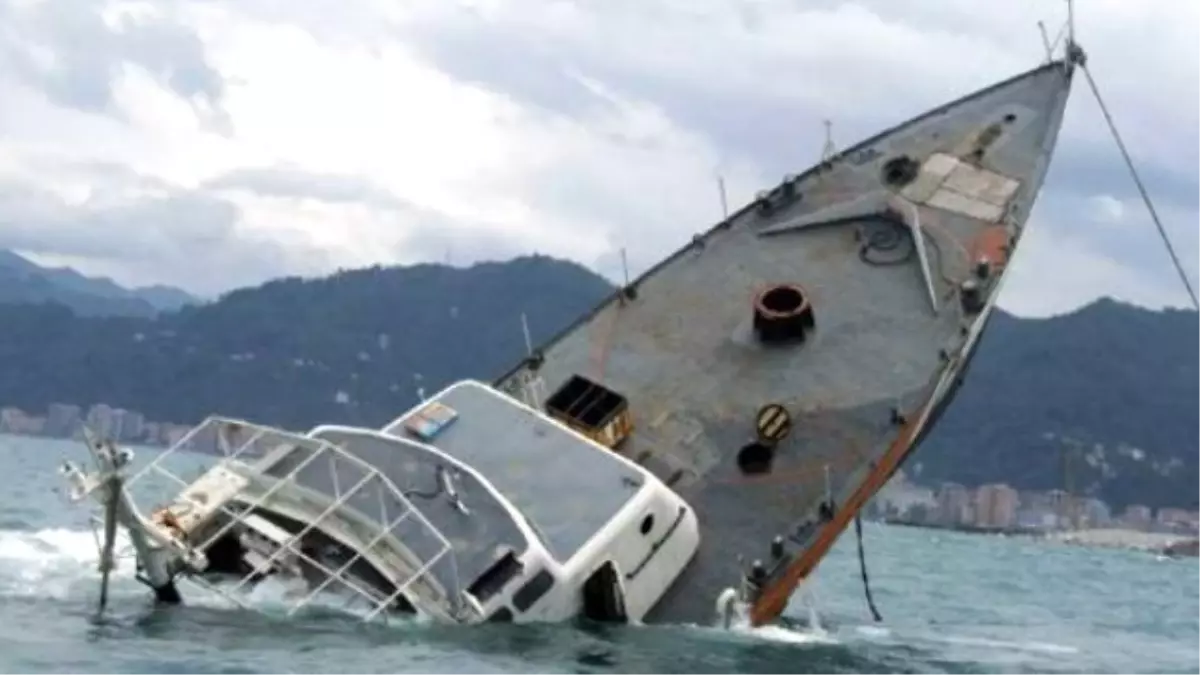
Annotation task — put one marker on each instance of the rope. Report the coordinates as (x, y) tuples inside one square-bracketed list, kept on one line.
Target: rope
[(1112, 127), (862, 565), (886, 237)]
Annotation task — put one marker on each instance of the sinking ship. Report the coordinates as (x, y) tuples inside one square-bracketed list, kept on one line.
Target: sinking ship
[(693, 446)]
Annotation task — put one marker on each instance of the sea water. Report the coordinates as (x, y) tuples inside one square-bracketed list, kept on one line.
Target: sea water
[(950, 602)]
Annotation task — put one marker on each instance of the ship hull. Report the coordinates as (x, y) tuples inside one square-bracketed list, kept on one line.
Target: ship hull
[(849, 300)]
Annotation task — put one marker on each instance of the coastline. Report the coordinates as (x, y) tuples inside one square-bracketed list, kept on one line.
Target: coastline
[(969, 529), (1158, 543)]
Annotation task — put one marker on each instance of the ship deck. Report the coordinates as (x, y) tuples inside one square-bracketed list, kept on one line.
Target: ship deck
[(879, 240)]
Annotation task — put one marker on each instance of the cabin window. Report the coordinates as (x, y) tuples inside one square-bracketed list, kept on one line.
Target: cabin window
[(533, 590), (495, 577)]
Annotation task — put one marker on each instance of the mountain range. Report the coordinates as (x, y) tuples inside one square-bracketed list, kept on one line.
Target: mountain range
[(1102, 400), (23, 281)]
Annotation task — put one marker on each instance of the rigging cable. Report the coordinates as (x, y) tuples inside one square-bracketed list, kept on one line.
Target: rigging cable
[(862, 565), (1112, 127)]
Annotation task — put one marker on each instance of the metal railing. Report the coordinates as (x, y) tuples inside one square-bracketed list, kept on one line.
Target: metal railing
[(329, 511)]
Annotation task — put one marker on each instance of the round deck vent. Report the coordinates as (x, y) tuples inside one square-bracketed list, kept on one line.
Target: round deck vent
[(782, 314), (900, 171), (755, 458)]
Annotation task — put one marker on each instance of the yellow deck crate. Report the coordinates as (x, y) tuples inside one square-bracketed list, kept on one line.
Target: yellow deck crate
[(592, 409)]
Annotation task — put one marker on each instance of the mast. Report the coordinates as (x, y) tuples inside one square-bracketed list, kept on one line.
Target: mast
[(1070, 24), (724, 200), (829, 149), (525, 332)]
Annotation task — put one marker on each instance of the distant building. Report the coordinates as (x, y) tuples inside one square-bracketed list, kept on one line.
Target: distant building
[(63, 420), (1193, 525), (152, 433), (1037, 518), (173, 433), (7, 417), (899, 497), (1068, 509), (1137, 516), (118, 423), (1095, 513), (1177, 520), (953, 504), (100, 420), (17, 421), (1039, 511), (996, 506), (128, 425)]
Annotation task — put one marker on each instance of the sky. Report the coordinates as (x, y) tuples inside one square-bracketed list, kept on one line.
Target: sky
[(211, 144)]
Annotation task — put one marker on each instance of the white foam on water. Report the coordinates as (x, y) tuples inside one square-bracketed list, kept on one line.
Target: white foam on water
[(275, 596), (783, 634), (741, 632), (60, 563), (740, 628), (1024, 646), (873, 631), (50, 562), (814, 633)]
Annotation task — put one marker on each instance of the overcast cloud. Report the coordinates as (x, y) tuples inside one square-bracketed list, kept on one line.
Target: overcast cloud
[(213, 143)]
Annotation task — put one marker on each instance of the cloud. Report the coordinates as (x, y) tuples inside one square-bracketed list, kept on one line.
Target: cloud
[(297, 137), (1085, 244), (292, 183), (75, 50), (380, 219), (141, 226)]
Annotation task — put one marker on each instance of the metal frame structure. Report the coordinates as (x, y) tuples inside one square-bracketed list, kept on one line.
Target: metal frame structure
[(242, 466)]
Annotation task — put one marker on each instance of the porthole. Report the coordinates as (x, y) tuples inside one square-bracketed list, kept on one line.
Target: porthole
[(647, 524)]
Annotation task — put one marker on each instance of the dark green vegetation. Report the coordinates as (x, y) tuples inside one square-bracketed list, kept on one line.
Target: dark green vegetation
[(21, 281), (281, 353), (1103, 400), (1109, 382)]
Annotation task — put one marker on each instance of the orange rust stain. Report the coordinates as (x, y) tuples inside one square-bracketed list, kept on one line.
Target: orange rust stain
[(601, 347), (774, 597), (991, 243), (949, 236), (851, 457), (797, 475)]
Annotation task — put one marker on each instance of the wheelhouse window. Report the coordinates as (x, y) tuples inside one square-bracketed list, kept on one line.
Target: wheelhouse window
[(533, 590), (495, 577)]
